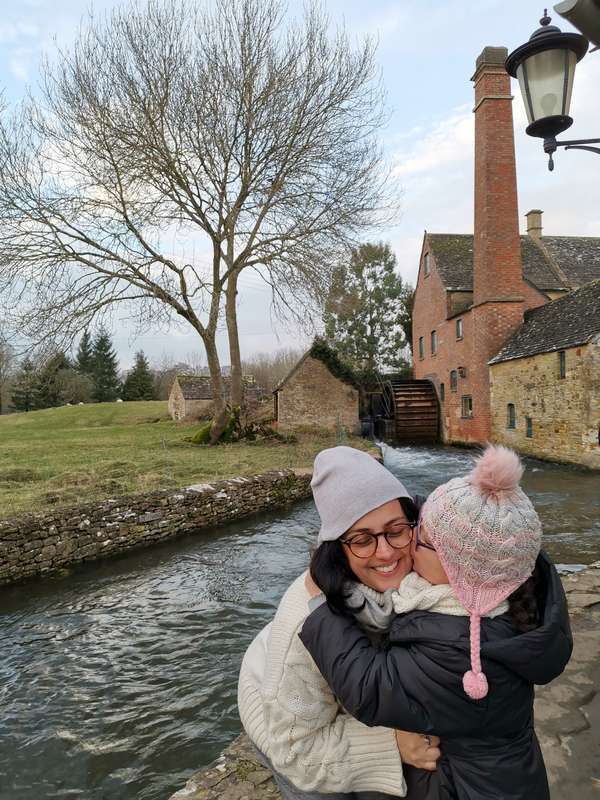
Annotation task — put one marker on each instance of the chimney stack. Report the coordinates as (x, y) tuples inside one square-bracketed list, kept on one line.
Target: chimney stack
[(534, 223), (497, 267)]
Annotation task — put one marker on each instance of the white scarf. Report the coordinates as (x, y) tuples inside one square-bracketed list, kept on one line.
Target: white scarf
[(417, 594)]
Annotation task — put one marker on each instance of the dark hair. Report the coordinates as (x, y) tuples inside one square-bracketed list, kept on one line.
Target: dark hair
[(329, 567), (524, 603)]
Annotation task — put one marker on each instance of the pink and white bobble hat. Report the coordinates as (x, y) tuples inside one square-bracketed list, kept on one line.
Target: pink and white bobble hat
[(487, 535)]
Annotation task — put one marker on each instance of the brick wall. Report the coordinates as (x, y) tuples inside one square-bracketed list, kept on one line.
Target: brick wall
[(313, 397), (36, 544), (565, 412)]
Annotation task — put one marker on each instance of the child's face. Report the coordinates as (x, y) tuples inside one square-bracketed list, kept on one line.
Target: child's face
[(425, 560)]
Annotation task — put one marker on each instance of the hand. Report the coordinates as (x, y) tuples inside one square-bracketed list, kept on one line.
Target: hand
[(418, 750), (311, 586)]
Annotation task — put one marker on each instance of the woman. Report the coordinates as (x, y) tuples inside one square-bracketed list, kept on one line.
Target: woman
[(473, 636), (286, 707)]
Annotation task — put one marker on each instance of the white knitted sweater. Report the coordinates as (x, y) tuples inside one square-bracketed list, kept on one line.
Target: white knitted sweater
[(292, 716)]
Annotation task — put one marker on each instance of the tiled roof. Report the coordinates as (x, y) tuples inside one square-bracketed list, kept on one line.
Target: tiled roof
[(195, 387), (570, 321), (577, 257)]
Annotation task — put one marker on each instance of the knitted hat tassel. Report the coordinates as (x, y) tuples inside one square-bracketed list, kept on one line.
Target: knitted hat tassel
[(474, 681)]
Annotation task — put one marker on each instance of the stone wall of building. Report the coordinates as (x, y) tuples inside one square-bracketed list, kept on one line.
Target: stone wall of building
[(39, 543), (313, 397), (564, 412)]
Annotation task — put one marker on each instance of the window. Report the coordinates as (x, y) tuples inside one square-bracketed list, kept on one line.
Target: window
[(442, 392), (421, 348), (426, 264), (562, 364), (466, 406), (459, 328), (529, 427), (453, 380), (511, 419), (433, 342)]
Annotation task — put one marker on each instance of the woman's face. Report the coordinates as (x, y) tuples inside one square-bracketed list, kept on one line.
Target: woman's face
[(388, 565), (425, 560)]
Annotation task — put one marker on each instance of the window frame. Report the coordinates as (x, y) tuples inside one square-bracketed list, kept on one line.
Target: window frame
[(453, 380), (511, 417), (469, 414), (434, 342), (426, 265), (529, 427), (421, 348), (459, 329), (562, 364), (442, 393)]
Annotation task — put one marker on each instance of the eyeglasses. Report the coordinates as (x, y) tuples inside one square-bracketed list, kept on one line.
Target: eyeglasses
[(364, 545), (419, 543)]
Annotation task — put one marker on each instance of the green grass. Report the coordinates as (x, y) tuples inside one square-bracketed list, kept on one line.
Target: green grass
[(71, 455)]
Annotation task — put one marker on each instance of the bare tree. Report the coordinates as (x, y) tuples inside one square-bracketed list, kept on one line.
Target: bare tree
[(268, 369), (247, 135), (8, 362)]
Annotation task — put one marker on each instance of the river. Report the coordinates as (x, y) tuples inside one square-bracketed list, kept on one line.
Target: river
[(118, 679)]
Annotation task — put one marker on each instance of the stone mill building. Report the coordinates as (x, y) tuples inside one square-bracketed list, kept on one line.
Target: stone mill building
[(320, 392), (506, 327)]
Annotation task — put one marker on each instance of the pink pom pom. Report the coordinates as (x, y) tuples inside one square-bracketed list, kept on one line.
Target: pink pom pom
[(475, 684), (497, 470)]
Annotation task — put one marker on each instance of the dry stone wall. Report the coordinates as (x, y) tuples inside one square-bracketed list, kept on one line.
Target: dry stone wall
[(42, 542)]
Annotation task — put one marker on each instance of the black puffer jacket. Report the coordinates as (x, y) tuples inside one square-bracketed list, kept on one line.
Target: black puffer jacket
[(489, 748)]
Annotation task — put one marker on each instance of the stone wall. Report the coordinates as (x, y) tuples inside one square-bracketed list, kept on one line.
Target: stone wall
[(38, 543), (565, 412), (313, 397)]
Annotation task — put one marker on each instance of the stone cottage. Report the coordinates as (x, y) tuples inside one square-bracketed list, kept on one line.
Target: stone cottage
[(320, 392), (473, 292), (545, 381), (191, 396)]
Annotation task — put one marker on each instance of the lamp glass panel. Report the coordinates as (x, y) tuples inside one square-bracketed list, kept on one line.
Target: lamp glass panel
[(542, 78)]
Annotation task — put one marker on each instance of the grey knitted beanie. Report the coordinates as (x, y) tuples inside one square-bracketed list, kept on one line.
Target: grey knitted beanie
[(347, 484)]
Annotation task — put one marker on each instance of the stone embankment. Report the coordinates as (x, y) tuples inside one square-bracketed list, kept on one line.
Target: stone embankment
[(42, 542), (567, 720)]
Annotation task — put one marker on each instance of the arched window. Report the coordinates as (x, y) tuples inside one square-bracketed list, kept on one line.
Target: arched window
[(511, 417), (453, 380)]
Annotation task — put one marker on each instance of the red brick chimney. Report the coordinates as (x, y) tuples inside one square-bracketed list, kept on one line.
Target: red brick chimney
[(497, 268), (498, 290)]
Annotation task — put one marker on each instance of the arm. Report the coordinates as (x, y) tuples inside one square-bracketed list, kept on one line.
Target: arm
[(369, 683), (318, 747), (409, 687)]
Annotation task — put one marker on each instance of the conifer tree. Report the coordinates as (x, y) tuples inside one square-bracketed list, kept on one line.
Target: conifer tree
[(84, 360), (26, 387), (368, 311), (50, 380), (139, 384), (105, 369)]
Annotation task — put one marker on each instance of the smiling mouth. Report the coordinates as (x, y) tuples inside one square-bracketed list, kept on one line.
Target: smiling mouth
[(385, 568)]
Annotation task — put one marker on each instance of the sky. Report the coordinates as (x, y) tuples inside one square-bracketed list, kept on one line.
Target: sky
[(427, 51)]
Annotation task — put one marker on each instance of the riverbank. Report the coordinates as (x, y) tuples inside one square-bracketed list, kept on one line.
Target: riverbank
[(57, 457), (567, 720), (36, 544)]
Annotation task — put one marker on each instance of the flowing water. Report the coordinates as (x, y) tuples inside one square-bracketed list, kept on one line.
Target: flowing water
[(118, 680)]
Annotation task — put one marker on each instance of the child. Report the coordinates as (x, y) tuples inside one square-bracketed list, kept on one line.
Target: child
[(457, 665)]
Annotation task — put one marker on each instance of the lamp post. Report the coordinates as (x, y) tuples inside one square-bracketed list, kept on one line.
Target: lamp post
[(545, 68)]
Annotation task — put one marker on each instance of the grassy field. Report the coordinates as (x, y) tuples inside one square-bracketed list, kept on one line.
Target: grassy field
[(65, 456)]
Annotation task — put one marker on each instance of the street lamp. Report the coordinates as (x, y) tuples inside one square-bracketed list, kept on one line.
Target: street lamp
[(545, 68)]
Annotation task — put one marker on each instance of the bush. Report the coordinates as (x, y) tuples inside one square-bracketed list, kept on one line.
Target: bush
[(202, 436)]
